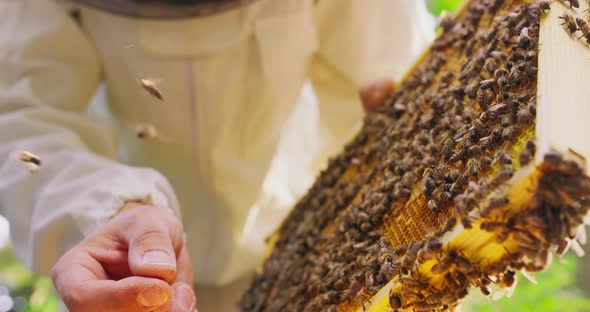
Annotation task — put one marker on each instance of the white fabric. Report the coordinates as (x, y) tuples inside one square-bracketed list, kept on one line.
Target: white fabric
[(231, 82)]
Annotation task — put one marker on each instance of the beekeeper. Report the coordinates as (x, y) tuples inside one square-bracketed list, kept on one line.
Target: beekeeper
[(165, 181)]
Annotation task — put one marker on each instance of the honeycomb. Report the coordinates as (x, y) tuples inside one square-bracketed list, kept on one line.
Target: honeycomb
[(439, 193)]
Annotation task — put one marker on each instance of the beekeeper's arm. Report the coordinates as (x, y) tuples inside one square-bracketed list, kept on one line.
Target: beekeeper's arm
[(48, 73)]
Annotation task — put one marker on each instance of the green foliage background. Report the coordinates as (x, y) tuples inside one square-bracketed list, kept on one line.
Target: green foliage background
[(556, 289)]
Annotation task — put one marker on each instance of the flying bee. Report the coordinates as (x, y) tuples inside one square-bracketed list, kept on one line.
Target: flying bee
[(497, 202), (504, 84), (508, 279), (584, 28), (413, 283), (446, 22), (150, 85), (500, 72), (543, 6), (515, 76), (569, 23), (490, 65), (444, 196), (504, 159), (466, 222), (32, 161), (506, 121), (146, 131), (523, 40)]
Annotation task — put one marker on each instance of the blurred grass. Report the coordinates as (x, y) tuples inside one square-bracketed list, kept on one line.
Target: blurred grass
[(556, 290), (29, 292)]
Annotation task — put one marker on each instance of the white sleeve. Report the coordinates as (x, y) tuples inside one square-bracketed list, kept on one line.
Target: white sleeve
[(48, 73)]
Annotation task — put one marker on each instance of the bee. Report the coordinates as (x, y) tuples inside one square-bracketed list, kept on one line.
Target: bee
[(487, 83), (32, 161), (485, 290), (573, 3), (483, 99), (584, 28), (485, 162), (149, 85), (569, 23), (531, 147), (523, 40), (508, 133), (409, 259), (524, 116), (445, 263), (471, 90), (395, 300), (545, 5), (145, 131), (434, 298), (433, 205), (473, 166)]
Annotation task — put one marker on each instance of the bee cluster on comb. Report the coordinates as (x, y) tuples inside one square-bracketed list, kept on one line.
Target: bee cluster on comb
[(438, 192)]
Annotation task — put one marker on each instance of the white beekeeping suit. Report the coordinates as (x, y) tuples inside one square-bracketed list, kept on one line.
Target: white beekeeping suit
[(231, 76)]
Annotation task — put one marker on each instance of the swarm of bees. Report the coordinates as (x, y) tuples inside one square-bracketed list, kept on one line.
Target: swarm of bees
[(438, 193)]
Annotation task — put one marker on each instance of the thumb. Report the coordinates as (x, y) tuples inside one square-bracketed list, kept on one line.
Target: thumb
[(151, 253)]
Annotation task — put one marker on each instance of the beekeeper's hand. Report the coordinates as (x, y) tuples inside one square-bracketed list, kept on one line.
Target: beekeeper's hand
[(135, 262), (373, 94)]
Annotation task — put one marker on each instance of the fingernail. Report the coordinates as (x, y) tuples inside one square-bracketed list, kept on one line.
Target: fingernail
[(184, 298), (157, 257), (152, 297)]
